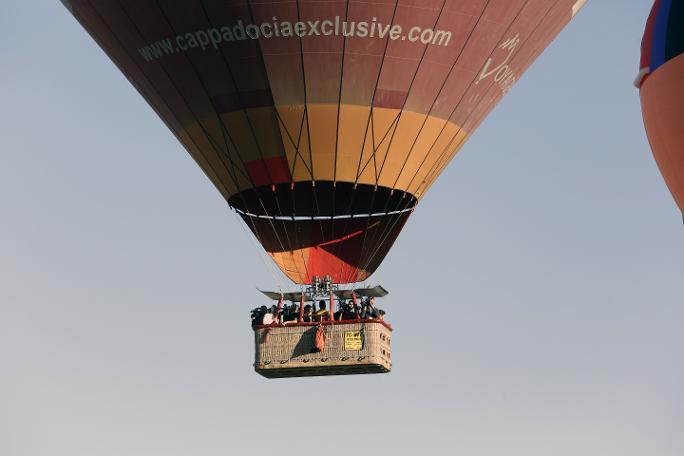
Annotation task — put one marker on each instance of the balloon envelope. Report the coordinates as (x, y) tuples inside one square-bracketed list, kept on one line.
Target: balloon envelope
[(662, 99), (323, 123)]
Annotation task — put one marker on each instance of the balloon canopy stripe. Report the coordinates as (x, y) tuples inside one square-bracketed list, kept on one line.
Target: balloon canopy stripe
[(664, 37), (274, 170), (660, 34), (310, 109)]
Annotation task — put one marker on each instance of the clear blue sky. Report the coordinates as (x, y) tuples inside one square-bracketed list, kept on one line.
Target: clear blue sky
[(537, 294)]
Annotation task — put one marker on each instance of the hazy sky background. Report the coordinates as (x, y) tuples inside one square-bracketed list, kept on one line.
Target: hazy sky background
[(537, 294)]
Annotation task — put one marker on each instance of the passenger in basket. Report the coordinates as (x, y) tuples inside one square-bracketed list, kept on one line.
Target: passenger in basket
[(381, 315), (340, 310), (279, 314), (263, 310), (269, 317), (291, 313), (308, 313), (258, 315), (348, 311), (369, 311), (322, 312)]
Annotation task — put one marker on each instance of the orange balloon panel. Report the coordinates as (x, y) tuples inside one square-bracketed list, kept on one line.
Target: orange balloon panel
[(323, 123)]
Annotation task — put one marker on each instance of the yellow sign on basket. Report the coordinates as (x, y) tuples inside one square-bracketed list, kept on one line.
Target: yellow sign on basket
[(353, 340)]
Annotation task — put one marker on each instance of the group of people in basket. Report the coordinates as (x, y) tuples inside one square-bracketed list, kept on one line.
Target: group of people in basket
[(290, 314)]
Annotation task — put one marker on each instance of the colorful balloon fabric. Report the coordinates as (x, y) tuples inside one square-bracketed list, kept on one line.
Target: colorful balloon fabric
[(662, 99), (323, 123)]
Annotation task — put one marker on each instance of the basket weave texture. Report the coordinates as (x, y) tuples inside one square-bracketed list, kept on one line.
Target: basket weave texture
[(292, 347)]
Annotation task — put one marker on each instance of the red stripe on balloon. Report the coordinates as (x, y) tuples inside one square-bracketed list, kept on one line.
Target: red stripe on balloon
[(647, 41), (274, 170)]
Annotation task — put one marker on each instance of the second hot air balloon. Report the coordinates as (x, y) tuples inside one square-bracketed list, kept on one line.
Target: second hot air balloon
[(662, 98)]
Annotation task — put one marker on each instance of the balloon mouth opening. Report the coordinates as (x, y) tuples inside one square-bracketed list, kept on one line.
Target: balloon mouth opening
[(324, 200), (337, 229)]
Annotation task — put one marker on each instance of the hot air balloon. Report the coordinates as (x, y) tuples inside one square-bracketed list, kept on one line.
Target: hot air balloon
[(662, 100), (323, 124)]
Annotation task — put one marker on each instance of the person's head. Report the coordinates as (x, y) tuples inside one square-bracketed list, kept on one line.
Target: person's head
[(321, 305), (371, 301), (307, 308), (381, 314)]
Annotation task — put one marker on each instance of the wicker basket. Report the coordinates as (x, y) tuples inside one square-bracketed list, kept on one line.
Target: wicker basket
[(350, 348)]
